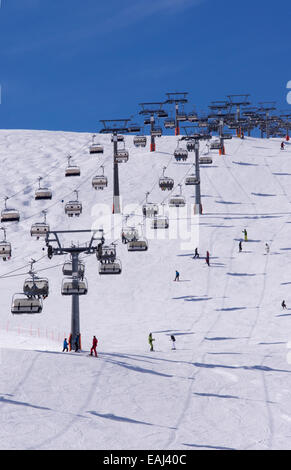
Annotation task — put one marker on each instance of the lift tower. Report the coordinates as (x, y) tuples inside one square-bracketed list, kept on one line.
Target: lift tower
[(115, 127), (52, 237), (266, 107), (238, 101), (194, 136), (178, 98), (151, 110), (219, 107), (286, 124)]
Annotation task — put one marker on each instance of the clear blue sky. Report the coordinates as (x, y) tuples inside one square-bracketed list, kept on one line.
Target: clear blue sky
[(65, 64)]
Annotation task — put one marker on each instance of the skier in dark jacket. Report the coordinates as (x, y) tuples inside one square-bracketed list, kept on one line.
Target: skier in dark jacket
[(177, 278), (240, 246), (196, 254), (283, 305), (151, 339), (282, 146), (65, 345), (207, 259), (173, 339)]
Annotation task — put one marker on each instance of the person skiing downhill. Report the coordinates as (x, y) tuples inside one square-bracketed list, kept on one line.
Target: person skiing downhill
[(283, 305), (196, 254), (282, 146), (267, 248), (94, 346), (245, 234), (65, 345), (151, 339), (177, 277), (207, 258), (240, 246), (173, 339)]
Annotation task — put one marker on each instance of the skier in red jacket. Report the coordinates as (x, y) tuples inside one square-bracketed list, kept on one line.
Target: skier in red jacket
[(94, 346)]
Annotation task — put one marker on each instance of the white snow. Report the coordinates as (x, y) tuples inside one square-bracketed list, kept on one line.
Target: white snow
[(227, 386)]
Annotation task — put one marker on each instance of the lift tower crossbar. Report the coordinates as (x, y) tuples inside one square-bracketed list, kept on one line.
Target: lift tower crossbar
[(115, 127)]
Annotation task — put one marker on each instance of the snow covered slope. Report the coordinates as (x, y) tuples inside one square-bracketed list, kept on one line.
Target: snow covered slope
[(227, 386)]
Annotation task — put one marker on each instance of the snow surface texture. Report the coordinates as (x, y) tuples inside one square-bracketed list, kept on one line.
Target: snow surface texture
[(227, 386)]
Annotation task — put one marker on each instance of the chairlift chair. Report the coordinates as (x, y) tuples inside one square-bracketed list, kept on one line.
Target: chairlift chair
[(191, 180), (9, 215), (177, 200), (122, 155), (42, 193), (181, 116), (72, 286), (35, 286), (215, 145), (169, 123), (100, 181), (110, 268), (106, 253), (73, 208), (193, 117), (139, 141), (190, 146), (120, 138), (157, 132), (95, 147), (21, 304), (165, 182), (180, 154), (40, 229), (149, 209), (72, 170), (137, 245), (160, 222), (5, 247), (205, 160), (68, 269)]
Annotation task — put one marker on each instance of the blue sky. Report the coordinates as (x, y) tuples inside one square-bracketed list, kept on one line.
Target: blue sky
[(65, 64)]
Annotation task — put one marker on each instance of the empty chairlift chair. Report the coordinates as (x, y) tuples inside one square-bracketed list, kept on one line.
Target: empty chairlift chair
[(21, 304), (180, 153), (40, 229), (120, 138), (215, 144), (166, 183), (74, 208), (192, 116), (95, 147), (150, 209), (191, 180), (72, 170), (160, 221), (100, 181), (205, 160), (5, 247), (68, 269), (42, 193), (177, 200), (9, 215), (169, 123), (72, 286)]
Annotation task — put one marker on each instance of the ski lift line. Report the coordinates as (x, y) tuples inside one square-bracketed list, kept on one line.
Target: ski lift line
[(45, 175), (22, 267)]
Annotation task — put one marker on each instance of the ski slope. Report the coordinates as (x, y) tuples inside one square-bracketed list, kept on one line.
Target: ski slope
[(227, 386)]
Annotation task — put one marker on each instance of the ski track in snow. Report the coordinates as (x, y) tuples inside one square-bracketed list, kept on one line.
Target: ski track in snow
[(226, 386)]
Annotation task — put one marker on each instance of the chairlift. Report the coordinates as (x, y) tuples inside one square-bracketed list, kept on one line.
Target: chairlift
[(21, 304), (156, 132), (72, 170), (68, 269), (181, 116), (129, 233), (177, 200), (42, 193), (73, 208), (137, 245), (106, 253), (190, 146), (40, 229), (110, 268), (139, 141), (35, 286), (122, 155), (215, 145), (95, 147), (150, 209), (193, 117), (165, 182), (205, 160), (120, 138), (100, 181), (169, 123), (9, 215), (74, 286), (5, 247), (160, 221), (191, 180), (180, 154)]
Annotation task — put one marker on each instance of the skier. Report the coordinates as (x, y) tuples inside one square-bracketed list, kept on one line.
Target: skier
[(240, 246), (123, 238), (282, 146), (196, 255), (207, 258), (267, 248), (173, 341), (283, 305), (94, 346), (177, 278), (65, 345), (151, 339), (245, 234), (242, 136)]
